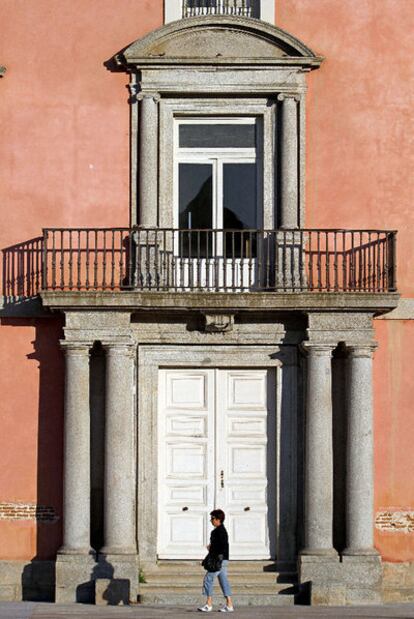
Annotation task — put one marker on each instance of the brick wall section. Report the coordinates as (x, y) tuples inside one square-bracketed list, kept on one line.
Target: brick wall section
[(28, 511), (395, 521)]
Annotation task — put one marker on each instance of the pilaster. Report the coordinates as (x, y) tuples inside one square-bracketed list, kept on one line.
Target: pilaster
[(289, 215), (148, 159)]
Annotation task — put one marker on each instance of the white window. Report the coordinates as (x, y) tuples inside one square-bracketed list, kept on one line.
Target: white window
[(217, 173), (261, 9)]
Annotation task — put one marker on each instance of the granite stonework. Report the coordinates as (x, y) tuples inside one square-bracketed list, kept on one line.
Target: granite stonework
[(334, 581), (134, 344), (208, 66)]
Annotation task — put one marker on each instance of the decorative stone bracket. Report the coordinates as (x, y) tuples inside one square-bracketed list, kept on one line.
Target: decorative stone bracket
[(218, 323)]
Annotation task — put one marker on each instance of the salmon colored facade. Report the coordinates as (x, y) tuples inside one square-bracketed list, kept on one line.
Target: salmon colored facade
[(65, 153)]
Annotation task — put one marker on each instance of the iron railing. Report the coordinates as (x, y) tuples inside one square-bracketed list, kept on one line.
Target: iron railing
[(218, 260), (166, 259), (245, 8)]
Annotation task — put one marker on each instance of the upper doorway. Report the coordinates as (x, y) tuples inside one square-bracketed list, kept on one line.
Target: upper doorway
[(217, 200)]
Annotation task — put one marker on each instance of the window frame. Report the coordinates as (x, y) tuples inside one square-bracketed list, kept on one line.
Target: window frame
[(171, 109)]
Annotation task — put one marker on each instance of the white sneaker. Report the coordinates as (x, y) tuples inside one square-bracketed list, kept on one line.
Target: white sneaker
[(227, 609), (205, 609)]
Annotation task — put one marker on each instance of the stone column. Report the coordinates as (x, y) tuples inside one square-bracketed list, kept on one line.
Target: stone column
[(319, 453), (148, 160), (119, 490), (76, 467), (289, 161), (359, 456)]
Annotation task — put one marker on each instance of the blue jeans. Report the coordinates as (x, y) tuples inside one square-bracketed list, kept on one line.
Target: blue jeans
[(222, 578)]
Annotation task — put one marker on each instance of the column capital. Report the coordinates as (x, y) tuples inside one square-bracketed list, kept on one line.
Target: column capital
[(127, 349), (320, 349), (288, 95), (75, 348), (361, 350), (155, 96)]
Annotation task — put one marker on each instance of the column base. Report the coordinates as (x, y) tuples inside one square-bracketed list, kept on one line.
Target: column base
[(360, 552), (128, 551), (78, 552), (121, 574), (329, 553), (111, 579), (74, 577), (330, 581)]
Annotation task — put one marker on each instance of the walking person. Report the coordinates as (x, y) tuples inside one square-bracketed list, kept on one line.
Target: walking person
[(218, 549)]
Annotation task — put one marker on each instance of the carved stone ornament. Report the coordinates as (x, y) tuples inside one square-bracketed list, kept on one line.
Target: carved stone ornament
[(218, 323)]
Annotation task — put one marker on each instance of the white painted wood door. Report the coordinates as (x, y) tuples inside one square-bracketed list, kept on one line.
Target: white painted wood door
[(216, 450)]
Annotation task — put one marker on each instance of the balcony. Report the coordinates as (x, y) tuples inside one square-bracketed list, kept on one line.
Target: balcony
[(264, 264), (244, 8)]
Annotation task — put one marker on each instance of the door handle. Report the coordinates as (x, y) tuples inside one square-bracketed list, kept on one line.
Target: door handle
[(247, 509), (222, 479), (185, 509)]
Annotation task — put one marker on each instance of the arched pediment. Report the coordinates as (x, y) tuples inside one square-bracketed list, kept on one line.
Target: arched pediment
[(219, 40)]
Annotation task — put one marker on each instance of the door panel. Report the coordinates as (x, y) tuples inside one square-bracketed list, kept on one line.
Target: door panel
[(215, 452), (242, 422), (186, 461)]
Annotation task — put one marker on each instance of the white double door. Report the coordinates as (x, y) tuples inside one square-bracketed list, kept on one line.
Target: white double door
[(216, 450)]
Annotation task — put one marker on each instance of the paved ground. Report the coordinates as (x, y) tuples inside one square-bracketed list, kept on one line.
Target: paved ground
[(33, 610)]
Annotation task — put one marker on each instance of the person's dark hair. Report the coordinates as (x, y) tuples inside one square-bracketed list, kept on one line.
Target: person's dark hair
[(219, 514)]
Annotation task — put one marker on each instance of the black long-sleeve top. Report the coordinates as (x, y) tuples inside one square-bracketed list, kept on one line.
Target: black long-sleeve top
[(219, 542)]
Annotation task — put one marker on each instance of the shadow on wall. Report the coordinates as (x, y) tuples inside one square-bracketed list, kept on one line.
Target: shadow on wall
[(38, 578)]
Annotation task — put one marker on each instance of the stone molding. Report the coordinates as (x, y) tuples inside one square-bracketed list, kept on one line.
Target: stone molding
[(403, 311), (79, 348), (218, 323), (316, 349), (244, 39), (339, 305), (122, 349), (153, 356), (154, 96), (362, 351), (282, 96)]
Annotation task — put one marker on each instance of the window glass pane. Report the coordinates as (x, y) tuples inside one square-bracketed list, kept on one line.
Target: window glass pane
[(195, 208), (217, 136), (239, 209), (239, 195)]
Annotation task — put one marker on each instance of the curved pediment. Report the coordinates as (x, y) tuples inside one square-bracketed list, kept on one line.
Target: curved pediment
[(219, 40)]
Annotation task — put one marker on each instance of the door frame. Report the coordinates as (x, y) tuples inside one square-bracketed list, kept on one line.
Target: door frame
[(285, 361)]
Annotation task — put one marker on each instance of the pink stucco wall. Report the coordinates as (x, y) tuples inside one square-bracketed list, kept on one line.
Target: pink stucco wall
[(65, 162), (359, 166)]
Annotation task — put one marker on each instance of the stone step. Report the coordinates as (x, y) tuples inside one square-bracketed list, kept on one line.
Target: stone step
[(243, 565), (266, 578), (235, 567), (237, 587), (172, 597)]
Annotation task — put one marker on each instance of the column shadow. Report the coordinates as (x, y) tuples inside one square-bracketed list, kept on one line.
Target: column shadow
[(38, 577)]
